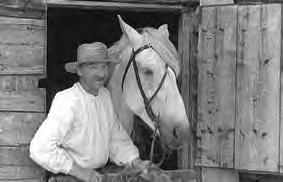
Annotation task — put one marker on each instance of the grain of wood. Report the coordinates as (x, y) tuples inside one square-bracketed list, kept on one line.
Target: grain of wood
[(22, 59), (25, 180), (22, 46), (216, 86), (155, 1), (20, 172), (23, 8), (16, 156), (215, 2), (22, 31), (21, 93), (115, 6), (281, 104), (219, 175), (9, 83), (32, 4), (30, 101), (258, 73), (17, 129), (186, 47)]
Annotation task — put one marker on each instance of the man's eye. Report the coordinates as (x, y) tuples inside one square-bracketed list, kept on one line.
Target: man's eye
[(147, 71), (93, 67)]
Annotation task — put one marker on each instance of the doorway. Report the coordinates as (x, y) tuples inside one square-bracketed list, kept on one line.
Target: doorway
[(67, 28)]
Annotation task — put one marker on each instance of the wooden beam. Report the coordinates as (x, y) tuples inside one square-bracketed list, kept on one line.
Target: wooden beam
[(175, 175), (24, 8), (258, 83), (219, 175), (16, 156), (216, 86), (26, 4), (21, 93), (22, 59), (187, 51), (18, 128), (281, 101), (28, 101), (22, 31), (22, 46), (10, 83), (114, 6), (20, 172), (253, 2), (215, 2), (25, 180), (156, 1)]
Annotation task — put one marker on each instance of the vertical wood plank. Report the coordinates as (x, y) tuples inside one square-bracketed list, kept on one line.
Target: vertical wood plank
[(257, 110), (187, 52), (219, 175), (281, 102), (216, 86)]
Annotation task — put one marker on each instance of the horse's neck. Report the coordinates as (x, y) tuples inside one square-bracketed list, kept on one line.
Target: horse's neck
[(124, 115)]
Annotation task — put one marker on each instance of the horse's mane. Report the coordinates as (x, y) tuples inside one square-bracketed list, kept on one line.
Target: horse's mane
[(161, 44)]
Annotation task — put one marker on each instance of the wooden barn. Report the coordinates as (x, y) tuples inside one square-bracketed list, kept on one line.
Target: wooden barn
[(231, 54)]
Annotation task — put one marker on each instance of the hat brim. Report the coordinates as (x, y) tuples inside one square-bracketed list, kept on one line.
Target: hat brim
[(72, 67)]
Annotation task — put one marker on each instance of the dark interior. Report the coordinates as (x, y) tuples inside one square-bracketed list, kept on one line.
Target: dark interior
[(70, 27)]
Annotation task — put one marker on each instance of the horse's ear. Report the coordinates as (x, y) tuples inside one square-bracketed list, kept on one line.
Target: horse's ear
[(163, 29), (134, 37)]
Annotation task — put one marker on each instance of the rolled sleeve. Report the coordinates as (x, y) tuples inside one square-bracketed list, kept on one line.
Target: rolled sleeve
[(46, 147)]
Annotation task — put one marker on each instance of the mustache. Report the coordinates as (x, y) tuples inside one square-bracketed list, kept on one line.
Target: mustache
[(100, 78)]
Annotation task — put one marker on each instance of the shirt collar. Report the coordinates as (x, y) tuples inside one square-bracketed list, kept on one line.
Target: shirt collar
[(85, 92)]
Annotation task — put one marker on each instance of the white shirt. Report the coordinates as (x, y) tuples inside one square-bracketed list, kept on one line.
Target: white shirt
[(83, 128)]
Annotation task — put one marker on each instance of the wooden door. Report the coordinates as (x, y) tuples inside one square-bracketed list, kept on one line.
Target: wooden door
[(239, 87), (22, 103)]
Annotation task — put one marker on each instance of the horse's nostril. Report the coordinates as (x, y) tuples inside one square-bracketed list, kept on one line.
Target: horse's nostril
[(175, 132)]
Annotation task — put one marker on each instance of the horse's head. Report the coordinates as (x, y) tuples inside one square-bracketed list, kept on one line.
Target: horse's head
[(157, 67)]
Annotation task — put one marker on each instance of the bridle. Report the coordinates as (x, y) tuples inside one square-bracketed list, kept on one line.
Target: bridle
[(147, 101)]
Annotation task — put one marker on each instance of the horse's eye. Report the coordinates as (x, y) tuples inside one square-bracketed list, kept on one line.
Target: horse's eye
[(147, 71)]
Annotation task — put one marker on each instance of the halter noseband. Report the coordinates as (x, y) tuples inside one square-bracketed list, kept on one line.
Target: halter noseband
[(146, 100)]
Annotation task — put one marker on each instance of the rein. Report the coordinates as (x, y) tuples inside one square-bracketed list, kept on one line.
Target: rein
[(154, 118)]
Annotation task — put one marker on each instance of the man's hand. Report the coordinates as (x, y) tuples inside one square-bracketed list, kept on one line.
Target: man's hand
[(84, 174), (141, 165)]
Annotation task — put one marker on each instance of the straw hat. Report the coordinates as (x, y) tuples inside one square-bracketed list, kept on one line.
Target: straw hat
[(95, 53)]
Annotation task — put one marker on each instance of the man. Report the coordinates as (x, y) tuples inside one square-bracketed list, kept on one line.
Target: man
[(81, 132)]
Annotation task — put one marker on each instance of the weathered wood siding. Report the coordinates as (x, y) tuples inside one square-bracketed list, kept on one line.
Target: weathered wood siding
[(216, 86), (258, 93), (22, 103), (239, 87), (281, 103), (215, 2), (187, 48)]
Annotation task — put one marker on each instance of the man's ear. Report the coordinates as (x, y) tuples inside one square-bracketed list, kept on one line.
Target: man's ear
[(79, 71)]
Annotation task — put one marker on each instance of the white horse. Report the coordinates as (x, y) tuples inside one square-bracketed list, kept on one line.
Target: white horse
[(151, 62)]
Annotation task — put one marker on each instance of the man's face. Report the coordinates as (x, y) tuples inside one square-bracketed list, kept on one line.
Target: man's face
[(93, 75)]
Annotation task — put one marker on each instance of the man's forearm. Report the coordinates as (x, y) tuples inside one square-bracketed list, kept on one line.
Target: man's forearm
[(85, 174), (80, 172)]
